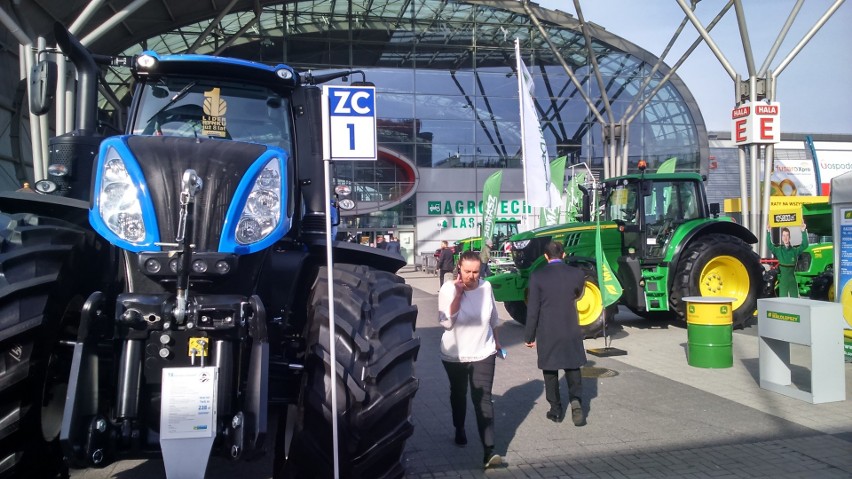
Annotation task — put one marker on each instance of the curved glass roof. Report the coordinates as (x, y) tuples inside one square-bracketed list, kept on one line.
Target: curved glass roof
[(450, 66)]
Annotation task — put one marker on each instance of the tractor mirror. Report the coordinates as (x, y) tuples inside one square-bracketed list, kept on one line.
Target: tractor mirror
[(647, 188), (714, 209), (42, 87)]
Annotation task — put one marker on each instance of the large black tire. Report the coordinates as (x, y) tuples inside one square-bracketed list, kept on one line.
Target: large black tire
[(517, 310), (719, 265), (48, 269), (375, 383), (822, 287)]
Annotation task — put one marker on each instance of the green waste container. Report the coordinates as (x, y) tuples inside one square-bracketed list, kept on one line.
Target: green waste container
[(709, 325)]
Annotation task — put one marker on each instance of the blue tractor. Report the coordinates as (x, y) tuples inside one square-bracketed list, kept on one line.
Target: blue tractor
[(194, 243)]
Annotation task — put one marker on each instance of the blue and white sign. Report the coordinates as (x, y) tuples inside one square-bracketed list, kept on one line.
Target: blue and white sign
[(349, 121)]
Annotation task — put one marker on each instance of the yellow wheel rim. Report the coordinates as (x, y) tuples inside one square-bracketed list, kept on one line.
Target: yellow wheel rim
[(725, 276), (590, 306), (831, 293)]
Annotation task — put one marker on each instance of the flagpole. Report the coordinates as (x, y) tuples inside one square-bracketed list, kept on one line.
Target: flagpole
[(521, 96)]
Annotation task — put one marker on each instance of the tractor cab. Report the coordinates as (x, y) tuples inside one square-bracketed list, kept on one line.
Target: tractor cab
[(650, 210)]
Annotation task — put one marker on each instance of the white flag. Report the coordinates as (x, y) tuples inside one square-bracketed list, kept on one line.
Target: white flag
[(533, 147)]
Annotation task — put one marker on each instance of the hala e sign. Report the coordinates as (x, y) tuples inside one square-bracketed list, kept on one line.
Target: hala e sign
[(758, 122)]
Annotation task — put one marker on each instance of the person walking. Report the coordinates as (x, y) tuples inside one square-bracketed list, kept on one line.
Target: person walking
[(468, 313), (553, 328), (485, 257), (446, 263), (787, 255), (393, 245)]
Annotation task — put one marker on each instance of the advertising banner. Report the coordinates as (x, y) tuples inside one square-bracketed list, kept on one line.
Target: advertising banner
[(490, 203), (550, 216), (533, 147)]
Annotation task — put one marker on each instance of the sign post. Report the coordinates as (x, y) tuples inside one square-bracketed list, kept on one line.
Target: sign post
[(348, 133)]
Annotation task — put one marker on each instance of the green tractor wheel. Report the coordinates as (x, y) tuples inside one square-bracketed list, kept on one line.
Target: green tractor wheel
[(719, 265)]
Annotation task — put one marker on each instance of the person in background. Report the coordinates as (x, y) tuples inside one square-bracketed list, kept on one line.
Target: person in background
[(380, 242), (468, 313), (553, 328), (393, 245), (446, 262), (485, 256), (787, 255)]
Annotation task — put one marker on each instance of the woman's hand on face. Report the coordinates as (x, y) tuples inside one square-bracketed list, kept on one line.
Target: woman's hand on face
[(459, 284)]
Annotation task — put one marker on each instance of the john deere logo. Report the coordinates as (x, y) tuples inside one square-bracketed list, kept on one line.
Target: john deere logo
[(723, 310), (691, 308), (434, 207)]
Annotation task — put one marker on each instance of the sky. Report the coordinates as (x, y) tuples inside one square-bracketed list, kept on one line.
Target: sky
[(814, 90)]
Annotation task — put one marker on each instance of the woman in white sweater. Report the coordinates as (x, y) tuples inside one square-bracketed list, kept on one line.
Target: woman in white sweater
[(468, 313)]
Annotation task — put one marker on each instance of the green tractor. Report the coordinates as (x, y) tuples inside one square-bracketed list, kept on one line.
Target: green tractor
[(503, 230), (662, 240), (815, 265)]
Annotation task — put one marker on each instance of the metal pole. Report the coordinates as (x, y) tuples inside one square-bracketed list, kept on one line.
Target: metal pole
[(706, 36), (594, 61), (43, 120), (113, 21), (781, 36), (755, 168), (85, 15), (741, 21), (61, 83), (564, 64), (332, 341), (237, 35), (804, 41), (198, 41), (767, 175), (35, 135), (741, 157), (607, 170)]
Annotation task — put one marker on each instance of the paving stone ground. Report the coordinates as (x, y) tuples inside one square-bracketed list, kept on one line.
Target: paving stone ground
[(650, 414)]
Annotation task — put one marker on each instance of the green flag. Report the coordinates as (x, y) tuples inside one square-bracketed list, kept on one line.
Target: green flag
[(490, 201), (668, 166), (610, 287), (574, 197), (550, 216)]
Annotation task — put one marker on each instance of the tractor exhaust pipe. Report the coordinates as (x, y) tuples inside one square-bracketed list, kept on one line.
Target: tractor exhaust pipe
[(87, 83)]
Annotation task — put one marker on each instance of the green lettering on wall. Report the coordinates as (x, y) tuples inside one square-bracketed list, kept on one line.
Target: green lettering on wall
[(459, 207)]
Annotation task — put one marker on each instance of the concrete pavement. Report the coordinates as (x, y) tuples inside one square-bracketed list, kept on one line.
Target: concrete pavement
[(650, 415)]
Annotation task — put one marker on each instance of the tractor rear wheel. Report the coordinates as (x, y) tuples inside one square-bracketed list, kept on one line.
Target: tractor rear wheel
[(48, 271), (375, 383), (719, 265)]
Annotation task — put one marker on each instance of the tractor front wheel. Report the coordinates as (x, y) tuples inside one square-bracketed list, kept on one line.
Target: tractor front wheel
[(375, 351)]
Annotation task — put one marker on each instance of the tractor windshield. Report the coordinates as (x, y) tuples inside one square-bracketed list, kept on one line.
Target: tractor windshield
[(199, 108)]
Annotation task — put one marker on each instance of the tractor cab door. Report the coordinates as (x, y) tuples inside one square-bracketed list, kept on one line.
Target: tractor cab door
[(622, 206), (666, 205)]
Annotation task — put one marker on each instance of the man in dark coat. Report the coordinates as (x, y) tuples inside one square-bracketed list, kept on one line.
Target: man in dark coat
[(446, 262), (553, 328)]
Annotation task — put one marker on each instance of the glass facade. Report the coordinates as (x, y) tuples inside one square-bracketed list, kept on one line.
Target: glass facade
[(447, 90)]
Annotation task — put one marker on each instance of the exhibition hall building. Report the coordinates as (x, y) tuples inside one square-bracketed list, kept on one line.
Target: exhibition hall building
[(447, 97)]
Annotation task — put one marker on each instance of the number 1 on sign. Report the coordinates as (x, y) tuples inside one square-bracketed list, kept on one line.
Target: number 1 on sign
[(351, 127)]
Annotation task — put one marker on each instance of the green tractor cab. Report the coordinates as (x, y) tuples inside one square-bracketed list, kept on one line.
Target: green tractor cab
[(663, 242)]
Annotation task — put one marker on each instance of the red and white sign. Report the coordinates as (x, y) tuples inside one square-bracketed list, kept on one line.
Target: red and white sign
[(758, 122)]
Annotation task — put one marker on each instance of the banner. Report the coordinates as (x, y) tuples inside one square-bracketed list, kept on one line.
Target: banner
[(490, 202), (668, 166), (550, 216), (607, 282), (574, 198), (533, 147)]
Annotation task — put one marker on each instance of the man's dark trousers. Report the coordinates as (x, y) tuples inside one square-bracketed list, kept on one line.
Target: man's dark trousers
[(551, 386)]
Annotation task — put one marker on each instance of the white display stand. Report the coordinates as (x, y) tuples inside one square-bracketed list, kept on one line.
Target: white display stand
[(816, 324)]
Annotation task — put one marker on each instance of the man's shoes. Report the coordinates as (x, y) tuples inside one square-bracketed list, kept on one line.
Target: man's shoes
[(461, 437), (555, 415), (577, 415), (492, 459)]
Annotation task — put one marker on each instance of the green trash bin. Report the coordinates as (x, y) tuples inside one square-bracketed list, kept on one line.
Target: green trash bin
[(709, 324)]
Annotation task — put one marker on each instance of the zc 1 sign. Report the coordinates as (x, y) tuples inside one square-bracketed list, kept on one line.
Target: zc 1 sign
[(758, 122)]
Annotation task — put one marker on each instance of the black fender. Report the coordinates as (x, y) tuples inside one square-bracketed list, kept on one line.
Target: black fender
[(69, 209)]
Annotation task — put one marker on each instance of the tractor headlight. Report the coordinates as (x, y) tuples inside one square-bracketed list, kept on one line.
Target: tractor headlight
[(122, 211), (263, 206), (257, 215)]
